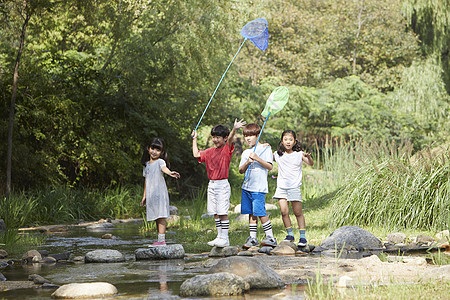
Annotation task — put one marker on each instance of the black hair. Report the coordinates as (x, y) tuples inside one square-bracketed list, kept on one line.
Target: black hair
[(155, 143), (220, 130), (296, 146)]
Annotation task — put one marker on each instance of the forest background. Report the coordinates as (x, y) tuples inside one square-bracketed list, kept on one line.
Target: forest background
[(98, 79)]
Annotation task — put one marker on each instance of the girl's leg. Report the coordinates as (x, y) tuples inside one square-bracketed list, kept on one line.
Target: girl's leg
[(284, 207), (297, 208), (161, 228)]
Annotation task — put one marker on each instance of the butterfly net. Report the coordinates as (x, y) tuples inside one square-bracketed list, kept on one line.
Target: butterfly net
[(257, 32), (277, 100)]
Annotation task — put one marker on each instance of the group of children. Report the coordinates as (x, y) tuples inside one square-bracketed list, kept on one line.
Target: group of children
[(255, 163)]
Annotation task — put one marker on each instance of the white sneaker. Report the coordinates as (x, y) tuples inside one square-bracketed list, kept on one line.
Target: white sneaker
[(213, 242), (223, 242)]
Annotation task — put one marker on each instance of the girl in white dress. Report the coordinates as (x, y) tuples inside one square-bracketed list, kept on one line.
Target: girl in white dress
[(156, 197), (289, 158)]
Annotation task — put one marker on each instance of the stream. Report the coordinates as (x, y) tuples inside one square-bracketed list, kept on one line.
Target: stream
[(143, 279)]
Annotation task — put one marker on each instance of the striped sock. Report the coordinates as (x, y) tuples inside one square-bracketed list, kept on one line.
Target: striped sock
[(290, 231), (253, 230), (218, 227), (225, 227), (268, 229), (302, 233)]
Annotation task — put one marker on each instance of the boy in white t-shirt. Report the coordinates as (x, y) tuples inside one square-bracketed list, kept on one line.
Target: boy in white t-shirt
[(255, 187)]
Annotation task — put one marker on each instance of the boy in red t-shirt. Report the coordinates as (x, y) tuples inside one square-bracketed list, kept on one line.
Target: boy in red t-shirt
[(217, 160)]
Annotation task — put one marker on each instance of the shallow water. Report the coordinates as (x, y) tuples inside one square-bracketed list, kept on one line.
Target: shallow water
[(149, 279)]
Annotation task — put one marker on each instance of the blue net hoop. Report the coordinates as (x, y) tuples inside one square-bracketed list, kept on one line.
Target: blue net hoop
[(257, 32)]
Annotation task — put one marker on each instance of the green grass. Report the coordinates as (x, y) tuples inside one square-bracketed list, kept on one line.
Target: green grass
[(320, 290), (396, 191)]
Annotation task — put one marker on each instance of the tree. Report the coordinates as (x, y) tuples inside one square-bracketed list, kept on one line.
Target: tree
[(430, 20), (24, 10)]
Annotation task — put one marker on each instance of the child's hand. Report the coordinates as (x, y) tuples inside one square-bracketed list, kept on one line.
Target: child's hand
[(174, 174), (194, 134), (307, 155), (253, 156), (143, 202), (239, 124), (265, 145)]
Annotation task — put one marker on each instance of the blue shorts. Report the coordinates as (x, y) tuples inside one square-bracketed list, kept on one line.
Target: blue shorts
[(253, 203)]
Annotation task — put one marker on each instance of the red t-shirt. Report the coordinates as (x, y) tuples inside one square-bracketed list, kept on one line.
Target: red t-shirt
[(217, 161)]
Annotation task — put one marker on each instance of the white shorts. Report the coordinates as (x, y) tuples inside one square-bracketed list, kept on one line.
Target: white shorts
[(293, 194), (219, 193)]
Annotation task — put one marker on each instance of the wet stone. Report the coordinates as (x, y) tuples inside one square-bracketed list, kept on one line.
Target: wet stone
[(283, 249), (252, 270), (224, 252), (104, 256), (175, 251), (31, 255), (219, 284), (60, 256), (38, 279), (85, 290), (265, 250)]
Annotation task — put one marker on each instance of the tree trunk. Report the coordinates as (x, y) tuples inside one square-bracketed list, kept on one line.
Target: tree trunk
[(13, 101)]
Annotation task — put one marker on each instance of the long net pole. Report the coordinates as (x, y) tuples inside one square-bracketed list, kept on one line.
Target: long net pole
[(219, 84)]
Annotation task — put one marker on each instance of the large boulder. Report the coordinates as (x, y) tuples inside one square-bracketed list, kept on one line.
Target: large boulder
[(351, 237), (160, 252), (218, 284), (104, 256), (88, 290), (252, 270)]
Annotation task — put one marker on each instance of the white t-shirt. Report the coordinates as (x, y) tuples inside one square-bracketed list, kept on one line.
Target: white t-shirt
[(289, 169), (257, 174)]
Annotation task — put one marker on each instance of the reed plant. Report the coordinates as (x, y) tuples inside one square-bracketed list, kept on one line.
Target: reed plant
[(395, 190)]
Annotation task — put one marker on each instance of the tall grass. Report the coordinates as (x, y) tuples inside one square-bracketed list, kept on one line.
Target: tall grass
[(395, 190), (62, 204)]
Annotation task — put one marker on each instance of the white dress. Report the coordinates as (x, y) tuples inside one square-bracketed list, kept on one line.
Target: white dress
[(156, 191)]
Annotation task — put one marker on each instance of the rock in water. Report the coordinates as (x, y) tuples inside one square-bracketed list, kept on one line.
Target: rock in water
[(252, 270), (218, 284), (104, 256), (85, 290), (160, 252)]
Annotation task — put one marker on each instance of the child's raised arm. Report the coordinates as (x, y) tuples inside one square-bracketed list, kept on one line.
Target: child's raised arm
[(237, 125), (195, 151)]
